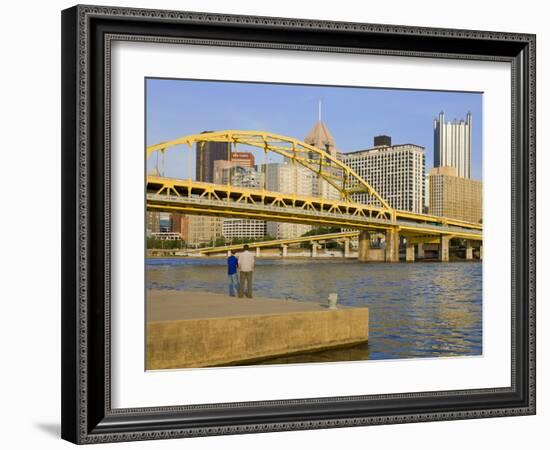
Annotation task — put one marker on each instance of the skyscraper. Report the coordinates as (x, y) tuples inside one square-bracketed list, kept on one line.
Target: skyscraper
[(453, 196), (319, 136), (180, 225), (241, 172), (239, 160), (203, 229), (288, 178), (242, 176), (453, 144), (153, 222), (396, 172), (242, 159), (207, 153), (243, 228), (164, 222)]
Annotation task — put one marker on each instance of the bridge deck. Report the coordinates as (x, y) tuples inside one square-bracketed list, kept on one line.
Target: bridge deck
[(192, 197), (201, 206), (280, 242)]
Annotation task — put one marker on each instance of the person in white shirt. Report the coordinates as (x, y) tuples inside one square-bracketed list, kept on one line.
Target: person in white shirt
[(246, 268)]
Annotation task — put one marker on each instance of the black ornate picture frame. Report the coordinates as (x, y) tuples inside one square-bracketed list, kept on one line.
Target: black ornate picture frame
[(87, 35)]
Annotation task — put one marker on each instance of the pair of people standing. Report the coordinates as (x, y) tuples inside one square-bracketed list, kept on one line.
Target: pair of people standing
[(245, 264)]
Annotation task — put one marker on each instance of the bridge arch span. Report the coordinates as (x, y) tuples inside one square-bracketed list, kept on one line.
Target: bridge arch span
[(337, 174)]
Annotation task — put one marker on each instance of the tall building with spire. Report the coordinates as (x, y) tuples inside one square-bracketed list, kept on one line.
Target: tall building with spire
[(319, 136), (453, 144)]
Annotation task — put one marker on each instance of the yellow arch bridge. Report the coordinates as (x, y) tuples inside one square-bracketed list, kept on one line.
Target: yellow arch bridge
[(375, 215)]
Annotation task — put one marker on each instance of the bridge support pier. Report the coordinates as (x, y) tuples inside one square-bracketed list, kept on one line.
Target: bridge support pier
[(364, 246), (314, 246), (420, 251), (409, 254), (444, 248), (469, 250), (285, 250), (346, 248), (258, 251), (392, 245), (481, 252)]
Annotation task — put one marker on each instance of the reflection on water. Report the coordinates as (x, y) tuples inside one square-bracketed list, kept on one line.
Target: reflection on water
[(416, 310)]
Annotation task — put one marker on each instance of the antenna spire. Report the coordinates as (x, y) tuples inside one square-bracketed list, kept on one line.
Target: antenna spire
[(319, 110)]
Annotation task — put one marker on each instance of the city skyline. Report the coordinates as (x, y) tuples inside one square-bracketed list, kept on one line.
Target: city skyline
[(353, 115)]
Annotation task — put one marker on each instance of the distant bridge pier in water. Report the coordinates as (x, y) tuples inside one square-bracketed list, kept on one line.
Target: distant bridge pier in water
[(469, 250), (420, 250), (314, 247), (346, 248), (364, 246), (392, 245), (409, 251), (388, 253), (444, 248), (284, 248)]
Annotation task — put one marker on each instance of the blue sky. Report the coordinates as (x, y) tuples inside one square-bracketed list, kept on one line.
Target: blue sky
[(353, 115)]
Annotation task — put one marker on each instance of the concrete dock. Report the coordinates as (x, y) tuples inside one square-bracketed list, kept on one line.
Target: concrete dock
[(197, 329)]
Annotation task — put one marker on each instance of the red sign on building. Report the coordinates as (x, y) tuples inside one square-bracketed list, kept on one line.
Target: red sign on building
[(242, 159)]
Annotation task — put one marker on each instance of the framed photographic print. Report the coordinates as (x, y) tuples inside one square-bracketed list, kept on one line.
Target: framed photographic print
[(267, 222)]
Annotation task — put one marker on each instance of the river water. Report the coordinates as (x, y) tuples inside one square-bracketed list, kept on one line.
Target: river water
[(421, 309)]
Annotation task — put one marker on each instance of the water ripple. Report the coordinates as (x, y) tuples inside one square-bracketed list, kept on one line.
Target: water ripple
[(416, 310)]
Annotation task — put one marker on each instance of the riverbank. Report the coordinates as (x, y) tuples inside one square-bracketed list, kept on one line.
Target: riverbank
[(198, 329)]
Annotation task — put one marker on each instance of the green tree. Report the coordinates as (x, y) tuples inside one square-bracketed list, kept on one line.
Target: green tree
[(155, 243), (319, 231), (322, 230)]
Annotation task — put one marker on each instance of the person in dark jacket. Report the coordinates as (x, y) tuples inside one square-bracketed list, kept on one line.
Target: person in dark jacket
[(232, 265)]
